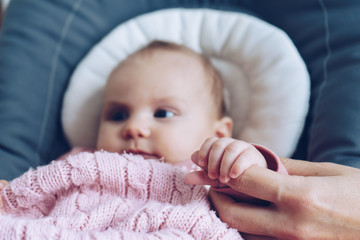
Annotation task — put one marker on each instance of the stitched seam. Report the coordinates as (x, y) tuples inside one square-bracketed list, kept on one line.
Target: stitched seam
[(54, 64), (328, 49)]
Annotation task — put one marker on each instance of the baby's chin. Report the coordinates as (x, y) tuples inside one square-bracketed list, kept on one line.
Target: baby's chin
[(186, 163), (164, 159)]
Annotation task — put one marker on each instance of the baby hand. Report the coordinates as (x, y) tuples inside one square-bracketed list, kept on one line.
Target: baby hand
[(225, 158)]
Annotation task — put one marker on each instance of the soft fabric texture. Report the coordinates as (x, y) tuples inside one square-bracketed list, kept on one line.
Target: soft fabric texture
[(37, 60), (253, 58), (108, 196)]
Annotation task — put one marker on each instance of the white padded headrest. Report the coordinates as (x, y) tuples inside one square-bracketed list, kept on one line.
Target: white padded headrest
[(266, 78)]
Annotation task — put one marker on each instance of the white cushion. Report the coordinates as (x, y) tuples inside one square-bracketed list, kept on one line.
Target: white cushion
[(266, 78)]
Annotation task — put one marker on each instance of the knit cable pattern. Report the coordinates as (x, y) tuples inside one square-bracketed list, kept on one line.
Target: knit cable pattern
[(105, 195)]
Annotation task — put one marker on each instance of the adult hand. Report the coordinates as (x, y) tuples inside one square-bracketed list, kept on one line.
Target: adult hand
[(315, 201)]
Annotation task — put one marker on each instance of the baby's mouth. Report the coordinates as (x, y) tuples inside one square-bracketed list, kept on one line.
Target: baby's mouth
[(145, 155)]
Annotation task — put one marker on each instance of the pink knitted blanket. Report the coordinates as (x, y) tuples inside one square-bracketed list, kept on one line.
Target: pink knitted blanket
[(108, 196)]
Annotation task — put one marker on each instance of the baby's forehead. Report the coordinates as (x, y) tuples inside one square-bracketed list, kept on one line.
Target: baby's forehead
[(182, 58), (198, 74), (154, 54)]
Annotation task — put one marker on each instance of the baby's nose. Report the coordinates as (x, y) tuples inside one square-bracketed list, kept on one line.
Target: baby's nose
[(136, 129)]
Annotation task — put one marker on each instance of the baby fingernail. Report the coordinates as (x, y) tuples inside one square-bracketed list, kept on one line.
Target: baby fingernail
[(212, 176), (224, 179), (235, 174), (201, 162)]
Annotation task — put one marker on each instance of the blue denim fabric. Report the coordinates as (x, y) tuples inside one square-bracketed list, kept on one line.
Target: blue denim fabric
[(42, 41)]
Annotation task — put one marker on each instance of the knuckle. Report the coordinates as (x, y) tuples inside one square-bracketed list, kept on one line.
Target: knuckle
[(300, 196), (206, 145), (210, 139), (295, 227), (302, 200), (242, 183), (232, 147), (307, 199), (218, 145), (247, 157)]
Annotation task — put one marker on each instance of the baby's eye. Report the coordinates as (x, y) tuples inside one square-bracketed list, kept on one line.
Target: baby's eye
[(161, 113), (118, 115)]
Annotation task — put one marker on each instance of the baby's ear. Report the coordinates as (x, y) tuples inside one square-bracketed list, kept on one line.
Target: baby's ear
[(224, 127)]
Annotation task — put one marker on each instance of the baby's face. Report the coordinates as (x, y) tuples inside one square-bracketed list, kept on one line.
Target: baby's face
[(159, 106)]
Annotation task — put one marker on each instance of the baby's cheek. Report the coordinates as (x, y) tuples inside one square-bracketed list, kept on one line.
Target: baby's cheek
[(107, 144), (174, 149)]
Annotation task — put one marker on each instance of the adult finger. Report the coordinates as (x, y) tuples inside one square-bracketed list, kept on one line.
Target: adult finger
[(261, 183), (201, 178), (242, 216), (305, 168)]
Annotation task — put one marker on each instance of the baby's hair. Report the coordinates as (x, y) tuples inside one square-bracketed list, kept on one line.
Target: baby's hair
[(217, 86)]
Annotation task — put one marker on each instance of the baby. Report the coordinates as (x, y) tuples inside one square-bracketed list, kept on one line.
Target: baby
[(163, 102), (166, 102)]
